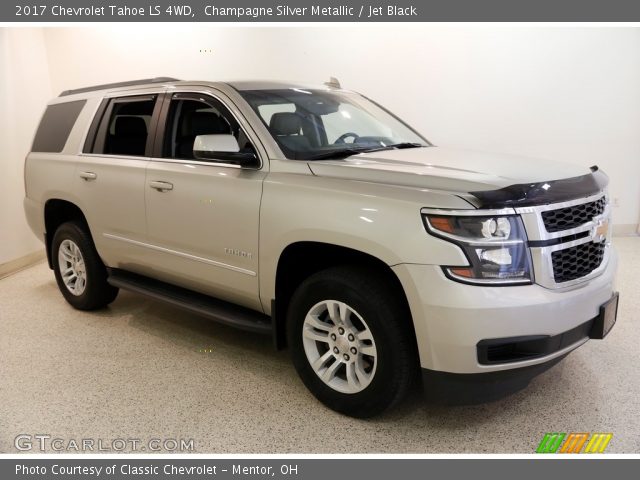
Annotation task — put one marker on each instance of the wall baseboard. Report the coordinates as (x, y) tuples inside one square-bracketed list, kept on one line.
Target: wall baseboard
[(625, 230), (21, 263)]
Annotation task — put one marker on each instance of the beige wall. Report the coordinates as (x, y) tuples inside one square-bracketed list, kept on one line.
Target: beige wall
[(25, 87), (570, 94)]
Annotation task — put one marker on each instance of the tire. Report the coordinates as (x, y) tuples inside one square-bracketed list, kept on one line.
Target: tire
[(73, 252), (375, 347)]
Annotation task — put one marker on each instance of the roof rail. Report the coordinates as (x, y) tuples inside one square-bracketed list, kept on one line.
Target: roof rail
[(130, 83)]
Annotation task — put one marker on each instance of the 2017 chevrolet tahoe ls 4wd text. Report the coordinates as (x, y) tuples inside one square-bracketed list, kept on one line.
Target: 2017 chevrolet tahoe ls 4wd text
[(315, 215)]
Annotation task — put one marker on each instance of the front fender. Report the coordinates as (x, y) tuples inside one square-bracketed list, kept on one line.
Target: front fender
[(383, 221)]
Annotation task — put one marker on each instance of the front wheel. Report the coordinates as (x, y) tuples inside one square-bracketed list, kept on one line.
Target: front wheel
[(351, 340), (79, 271)]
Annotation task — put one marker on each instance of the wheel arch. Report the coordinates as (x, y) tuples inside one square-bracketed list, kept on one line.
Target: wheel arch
[(57, 212), (302, 259)]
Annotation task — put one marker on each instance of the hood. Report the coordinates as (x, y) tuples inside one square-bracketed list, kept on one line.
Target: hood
[(438, 168)]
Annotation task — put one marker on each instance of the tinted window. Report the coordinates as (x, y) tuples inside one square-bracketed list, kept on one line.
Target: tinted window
[(266, 111), (55, 126), (125, 128), (189, 117), (317, 124)]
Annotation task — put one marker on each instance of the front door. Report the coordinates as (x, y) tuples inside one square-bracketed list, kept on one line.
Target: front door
[(203, 216)]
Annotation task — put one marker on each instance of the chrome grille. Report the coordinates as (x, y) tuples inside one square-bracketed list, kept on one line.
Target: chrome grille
[(574, 216), (577, 262), (569, 241)]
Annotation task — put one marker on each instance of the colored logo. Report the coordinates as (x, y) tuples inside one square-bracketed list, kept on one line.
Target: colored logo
[(574, 443)]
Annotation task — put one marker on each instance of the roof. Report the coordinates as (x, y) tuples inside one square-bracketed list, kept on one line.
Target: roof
[(131, 83), (271, 85), (239, 85)]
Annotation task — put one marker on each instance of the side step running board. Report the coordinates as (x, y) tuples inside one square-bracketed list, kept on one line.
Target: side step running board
[(218, 310)]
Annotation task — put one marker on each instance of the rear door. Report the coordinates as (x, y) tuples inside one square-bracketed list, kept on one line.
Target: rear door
[(110, 177), (203, 216)]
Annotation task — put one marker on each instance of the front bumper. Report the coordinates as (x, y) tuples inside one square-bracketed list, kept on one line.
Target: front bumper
[(451, 318), (474, 388)]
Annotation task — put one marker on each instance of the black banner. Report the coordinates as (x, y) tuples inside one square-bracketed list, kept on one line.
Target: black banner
[(316, 469), (320, 11)]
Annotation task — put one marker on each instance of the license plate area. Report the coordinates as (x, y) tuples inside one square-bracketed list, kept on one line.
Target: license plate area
[(606, 319)]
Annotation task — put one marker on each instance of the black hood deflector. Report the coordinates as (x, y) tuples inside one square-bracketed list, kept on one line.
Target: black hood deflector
[(542, 193)]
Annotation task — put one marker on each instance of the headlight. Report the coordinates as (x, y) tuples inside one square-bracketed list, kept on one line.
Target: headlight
[(494, 245)]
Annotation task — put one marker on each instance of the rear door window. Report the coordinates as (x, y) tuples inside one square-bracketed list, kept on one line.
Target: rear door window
[(125, 127)]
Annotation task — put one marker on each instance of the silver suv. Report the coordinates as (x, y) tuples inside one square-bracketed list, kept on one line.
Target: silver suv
[(314, 215)]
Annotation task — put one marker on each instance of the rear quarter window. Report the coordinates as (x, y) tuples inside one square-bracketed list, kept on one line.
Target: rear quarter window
[(55, 126)]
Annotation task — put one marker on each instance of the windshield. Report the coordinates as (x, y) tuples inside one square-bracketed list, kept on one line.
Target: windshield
[(315, 124)]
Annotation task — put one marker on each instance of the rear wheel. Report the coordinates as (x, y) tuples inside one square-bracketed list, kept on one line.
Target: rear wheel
[(80, 274), (351, 340)]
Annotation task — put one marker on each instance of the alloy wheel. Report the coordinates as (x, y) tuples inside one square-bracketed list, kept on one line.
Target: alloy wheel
[(72, 267), (339, 346)]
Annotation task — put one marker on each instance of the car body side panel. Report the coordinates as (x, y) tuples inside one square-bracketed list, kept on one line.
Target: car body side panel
[(204, 233), (113, 205), (49, 176), (379, 220)]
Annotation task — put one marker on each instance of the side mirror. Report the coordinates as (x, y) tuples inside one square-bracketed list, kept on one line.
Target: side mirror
[(223, 148)]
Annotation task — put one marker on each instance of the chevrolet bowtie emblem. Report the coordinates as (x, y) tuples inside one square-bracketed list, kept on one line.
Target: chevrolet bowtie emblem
[(600, 231)]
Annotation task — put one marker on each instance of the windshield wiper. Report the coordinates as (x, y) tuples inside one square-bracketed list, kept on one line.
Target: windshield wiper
[(401, 145), (342, 153), (347, 152)]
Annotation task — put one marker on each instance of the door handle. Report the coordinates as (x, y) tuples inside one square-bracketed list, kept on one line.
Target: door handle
[(88, 176), (161, 186)]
